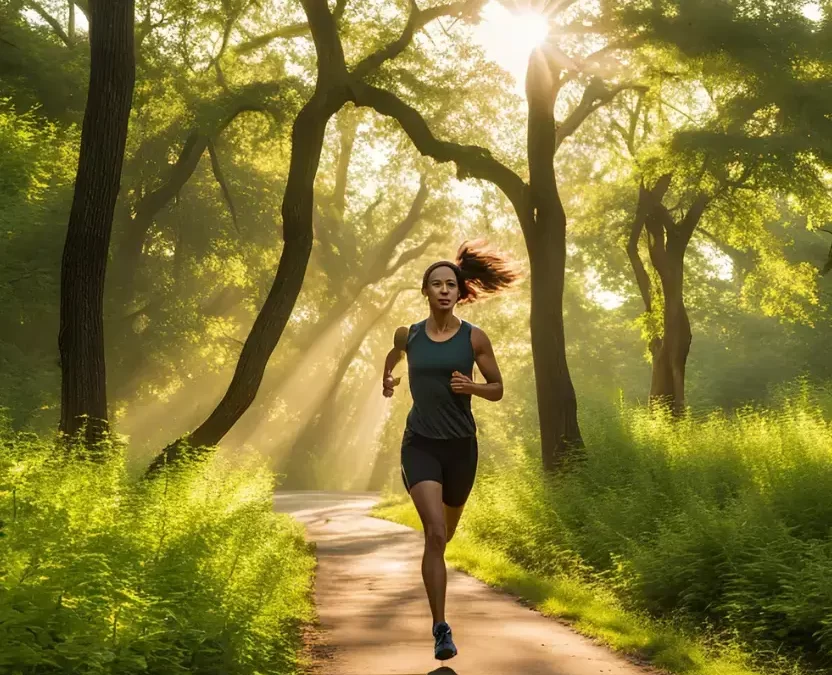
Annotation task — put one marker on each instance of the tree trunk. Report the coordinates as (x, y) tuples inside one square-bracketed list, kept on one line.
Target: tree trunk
[(546, 244), (667, 387), (307, 144), (83, 268), (667, 242)]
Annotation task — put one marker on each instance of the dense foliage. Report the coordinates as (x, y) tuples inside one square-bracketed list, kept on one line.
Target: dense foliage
[(718, 516), (717, 524), (189, 573)]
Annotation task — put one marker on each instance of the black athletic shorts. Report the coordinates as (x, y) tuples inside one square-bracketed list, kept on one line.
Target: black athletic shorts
[(449, 461)]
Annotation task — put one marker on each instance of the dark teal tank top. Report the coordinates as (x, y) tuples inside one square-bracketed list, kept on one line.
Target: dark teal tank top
[(437, 411)]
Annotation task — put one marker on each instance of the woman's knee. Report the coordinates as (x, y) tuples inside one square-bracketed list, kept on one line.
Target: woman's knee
[(436, 536)]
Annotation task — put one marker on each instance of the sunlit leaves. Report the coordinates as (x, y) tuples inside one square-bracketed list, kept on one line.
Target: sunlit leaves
[(782, 289), (192, 573)]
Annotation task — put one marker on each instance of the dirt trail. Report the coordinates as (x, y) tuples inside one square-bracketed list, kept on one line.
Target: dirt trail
[(374, 613)]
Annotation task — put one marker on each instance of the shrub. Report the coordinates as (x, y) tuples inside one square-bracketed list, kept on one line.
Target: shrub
[(724, 521), (190, 572)]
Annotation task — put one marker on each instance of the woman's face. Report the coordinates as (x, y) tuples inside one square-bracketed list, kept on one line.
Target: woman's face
[(442, 289)]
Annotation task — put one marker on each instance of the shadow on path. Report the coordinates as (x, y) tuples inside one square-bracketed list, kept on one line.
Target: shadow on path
[(374, 617)]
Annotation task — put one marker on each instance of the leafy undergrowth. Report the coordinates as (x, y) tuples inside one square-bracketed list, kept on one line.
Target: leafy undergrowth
[(191, 572), (589, 609), (703, 545)]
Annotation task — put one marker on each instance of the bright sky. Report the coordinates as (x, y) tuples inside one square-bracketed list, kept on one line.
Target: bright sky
[(813, 11), (508, 38)]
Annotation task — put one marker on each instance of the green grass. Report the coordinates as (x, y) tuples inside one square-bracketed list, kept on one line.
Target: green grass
[(703, 545), (589, 609), (190, 573)]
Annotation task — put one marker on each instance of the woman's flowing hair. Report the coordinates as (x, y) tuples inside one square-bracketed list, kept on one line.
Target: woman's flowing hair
[(479, 269)]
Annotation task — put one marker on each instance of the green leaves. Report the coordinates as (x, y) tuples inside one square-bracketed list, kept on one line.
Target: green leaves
[(191, 573), (720, 522)]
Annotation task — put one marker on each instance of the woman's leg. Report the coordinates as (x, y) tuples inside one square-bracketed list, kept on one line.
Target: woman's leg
[(427, 497), (452, 516), (459, 472)]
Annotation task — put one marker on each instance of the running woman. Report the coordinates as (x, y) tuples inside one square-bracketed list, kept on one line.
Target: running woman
[(439, 446)]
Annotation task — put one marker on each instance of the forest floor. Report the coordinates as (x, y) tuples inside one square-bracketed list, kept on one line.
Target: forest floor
[(374, 617)]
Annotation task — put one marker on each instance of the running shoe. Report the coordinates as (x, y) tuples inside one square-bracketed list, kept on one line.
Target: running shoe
[(444, 648)]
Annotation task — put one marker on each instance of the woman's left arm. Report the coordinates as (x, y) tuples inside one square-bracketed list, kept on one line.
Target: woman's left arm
[(492, 390)]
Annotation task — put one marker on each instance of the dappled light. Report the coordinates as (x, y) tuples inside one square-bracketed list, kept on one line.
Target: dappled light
[(549, 281)]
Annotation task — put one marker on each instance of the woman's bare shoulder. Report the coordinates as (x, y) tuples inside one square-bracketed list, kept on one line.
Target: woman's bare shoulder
[(400, 337)]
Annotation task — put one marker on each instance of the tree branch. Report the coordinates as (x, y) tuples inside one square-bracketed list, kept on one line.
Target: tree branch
[(648, 200), (472, 161), (595, 96), (692, 218), (347, 125), (331, 65), (51, 20), (71, 22), (398, 234), (367, 216), (412, 254), (294, 30), (218, 174), (84, 6), (643, 280), (416, 20), (186, 164), (379, 269), (656, 226)]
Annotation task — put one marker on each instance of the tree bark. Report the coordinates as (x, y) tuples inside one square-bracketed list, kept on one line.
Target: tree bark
[(668, 242), (667, 385), (307, 143), (83, 268), (557, 405), (331, 93)]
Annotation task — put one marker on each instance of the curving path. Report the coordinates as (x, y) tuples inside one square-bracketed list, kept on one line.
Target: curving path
[(374, 615)]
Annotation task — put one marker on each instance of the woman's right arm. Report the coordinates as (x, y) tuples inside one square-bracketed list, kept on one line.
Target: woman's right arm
[(393, 357)]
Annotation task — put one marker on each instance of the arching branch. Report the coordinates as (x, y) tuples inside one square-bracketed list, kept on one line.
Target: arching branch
[(416, 20), (384, 251), (51, 20), (154, 201), (596, 95), (471, 160), (226, 193), (412, 254)]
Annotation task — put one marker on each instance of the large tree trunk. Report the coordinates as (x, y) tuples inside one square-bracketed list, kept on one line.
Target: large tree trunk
[(307, 143), (546, 245), (83, 269)]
